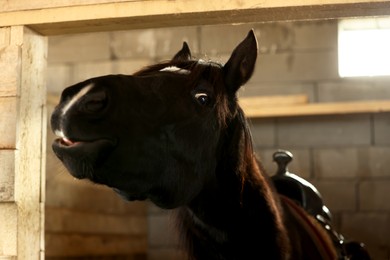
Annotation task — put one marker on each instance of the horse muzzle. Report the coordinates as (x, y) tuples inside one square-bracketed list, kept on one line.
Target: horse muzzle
[(81, 158)]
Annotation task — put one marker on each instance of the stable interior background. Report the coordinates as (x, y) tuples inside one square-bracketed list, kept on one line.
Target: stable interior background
[(345, 156)]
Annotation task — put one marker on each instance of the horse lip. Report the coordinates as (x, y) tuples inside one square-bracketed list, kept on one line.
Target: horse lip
[(66, 143)]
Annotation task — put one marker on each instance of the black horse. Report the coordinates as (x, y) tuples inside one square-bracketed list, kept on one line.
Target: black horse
[(174, 133)]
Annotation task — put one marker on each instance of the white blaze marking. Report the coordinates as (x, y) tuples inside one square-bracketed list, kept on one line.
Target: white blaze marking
[(75, 98), (200, 94), (176, 70), (59, 133)]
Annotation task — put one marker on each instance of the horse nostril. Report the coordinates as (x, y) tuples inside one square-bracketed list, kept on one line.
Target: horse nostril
[(94, 102)]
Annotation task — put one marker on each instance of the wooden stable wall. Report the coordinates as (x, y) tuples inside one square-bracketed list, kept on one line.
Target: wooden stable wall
[(22, 138), (22, 77)]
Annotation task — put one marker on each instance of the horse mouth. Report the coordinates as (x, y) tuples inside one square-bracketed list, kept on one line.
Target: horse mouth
[(67, 142), (82, 158)]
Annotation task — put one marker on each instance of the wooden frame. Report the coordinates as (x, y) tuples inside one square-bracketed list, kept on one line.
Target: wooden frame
[(23, 25), (79, 16)]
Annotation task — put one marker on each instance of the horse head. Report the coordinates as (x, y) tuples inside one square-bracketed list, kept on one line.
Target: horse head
[(155, 134)]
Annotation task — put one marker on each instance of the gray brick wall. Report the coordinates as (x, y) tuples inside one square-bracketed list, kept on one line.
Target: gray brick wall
[(346, 156)]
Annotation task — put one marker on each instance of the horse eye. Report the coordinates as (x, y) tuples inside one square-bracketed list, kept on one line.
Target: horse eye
[(202, 98)]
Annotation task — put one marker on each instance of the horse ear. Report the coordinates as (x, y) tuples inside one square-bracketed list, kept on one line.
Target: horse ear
[(241, 64), (184, 54)]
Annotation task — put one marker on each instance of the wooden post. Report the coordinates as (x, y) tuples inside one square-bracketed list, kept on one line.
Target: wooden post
[(22, 142)]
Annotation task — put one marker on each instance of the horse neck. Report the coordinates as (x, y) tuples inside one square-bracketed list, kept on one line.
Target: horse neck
[(238, 207)]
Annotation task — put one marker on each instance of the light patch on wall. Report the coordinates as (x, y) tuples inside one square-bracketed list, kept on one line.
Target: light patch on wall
[(364, 47)]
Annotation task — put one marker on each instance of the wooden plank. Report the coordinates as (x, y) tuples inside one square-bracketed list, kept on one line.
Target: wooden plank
[(8, 119), (22, 5), (30, 138), (60, 220), (9, 64), (7, 174), (338, 108), (8, 227), (94, 245), (277, 100), (83, 196), (168, 13)]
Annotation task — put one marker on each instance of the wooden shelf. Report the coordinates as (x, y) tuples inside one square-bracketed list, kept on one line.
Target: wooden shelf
[(311, 109)]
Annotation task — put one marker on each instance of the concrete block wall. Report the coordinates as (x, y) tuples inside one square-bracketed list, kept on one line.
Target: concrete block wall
[(345, 155)]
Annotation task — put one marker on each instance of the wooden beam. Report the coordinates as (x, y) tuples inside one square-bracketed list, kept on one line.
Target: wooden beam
[(337, 108), (114, 15), (257, 102)]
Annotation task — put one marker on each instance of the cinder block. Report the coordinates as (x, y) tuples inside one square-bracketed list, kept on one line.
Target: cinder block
[(170, 40), (162, 231), (371, 228), (134, 44), (314, 35), (352, 90), (79, 48), (270, 88), (263, 132), (129, 66), (374, 195), (299, 66), (153, 43), (222, 39), (83, 71), (314, 131), (378, 158), (7, 173), (301, 164), (382, 129), (338, 195), (272, 37), (337, 163), (59, 76)]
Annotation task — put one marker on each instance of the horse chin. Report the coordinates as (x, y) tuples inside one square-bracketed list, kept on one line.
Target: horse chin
[(128, 196), (82, 158)]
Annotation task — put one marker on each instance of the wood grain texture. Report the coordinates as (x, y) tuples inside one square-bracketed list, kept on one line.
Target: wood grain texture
[(114, 15), (337, 108), (9, 64), (7, 175), (8, 125), (30, 138), (8, 226)]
